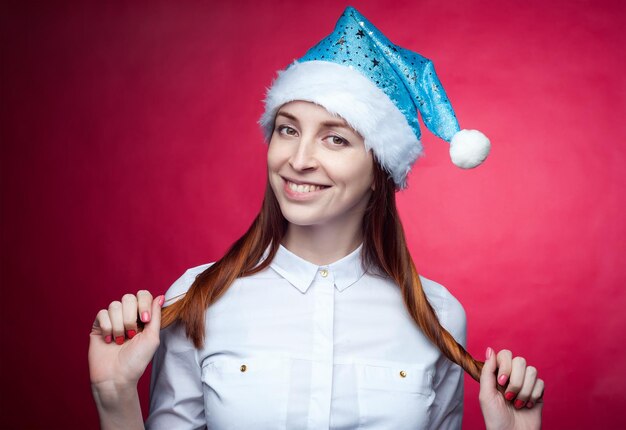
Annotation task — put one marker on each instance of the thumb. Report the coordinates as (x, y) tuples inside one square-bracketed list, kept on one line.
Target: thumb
[(488, 374), (154, 326)]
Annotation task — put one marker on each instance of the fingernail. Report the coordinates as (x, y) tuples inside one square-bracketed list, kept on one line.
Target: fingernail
[(161, 300), (502, 379), (529, 405), (488, 353), (509, 395), (119, 340), (131, 333), (519, 404), (145, 316), (108, 338)]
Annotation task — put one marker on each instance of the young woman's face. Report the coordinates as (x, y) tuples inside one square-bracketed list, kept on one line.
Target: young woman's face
[(318, 166)]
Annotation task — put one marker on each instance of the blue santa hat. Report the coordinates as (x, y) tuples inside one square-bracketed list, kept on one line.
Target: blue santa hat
[(378, 88)]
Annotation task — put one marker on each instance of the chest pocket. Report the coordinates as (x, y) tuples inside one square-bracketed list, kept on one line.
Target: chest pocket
[(246, 392), (394, 395)]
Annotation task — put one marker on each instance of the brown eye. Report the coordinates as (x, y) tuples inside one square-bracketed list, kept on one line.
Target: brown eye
[(284, 129), (339, 141)]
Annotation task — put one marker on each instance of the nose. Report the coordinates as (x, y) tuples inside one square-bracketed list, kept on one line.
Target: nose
[(303, 157)]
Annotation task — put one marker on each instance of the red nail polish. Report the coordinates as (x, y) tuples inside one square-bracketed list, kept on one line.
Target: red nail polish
[(119, 340), (502, 379), (145, 316), (108, 338), (529, 405), (519, 403), (131, 333), (509, 395), (161, 300), (488, 353)]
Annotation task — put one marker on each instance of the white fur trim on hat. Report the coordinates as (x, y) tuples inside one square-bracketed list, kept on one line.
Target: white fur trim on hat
[(344, 91)]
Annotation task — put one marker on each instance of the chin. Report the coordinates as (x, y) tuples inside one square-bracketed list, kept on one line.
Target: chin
[(299, 217)]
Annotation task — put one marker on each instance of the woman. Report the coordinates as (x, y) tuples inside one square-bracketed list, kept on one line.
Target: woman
[(316, 317)]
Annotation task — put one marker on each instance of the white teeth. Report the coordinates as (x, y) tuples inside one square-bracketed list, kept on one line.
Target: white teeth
[(303, 188)]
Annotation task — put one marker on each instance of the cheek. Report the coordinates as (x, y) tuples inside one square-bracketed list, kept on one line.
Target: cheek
[(354, 173), (279, 148), (275, 157)]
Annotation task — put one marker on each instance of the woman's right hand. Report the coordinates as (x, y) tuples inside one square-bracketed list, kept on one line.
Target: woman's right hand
[(119, 351)]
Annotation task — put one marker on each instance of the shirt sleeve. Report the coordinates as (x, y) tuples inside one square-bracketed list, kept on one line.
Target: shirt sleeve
[(176, 391), (447, 409)]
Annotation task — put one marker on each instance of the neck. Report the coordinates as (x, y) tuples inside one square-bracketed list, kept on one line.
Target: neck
[(323, 244)]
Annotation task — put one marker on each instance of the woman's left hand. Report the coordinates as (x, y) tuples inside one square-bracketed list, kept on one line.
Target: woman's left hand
[(521, 405)]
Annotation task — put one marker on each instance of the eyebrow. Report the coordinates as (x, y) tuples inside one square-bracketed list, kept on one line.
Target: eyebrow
[(330, 123)]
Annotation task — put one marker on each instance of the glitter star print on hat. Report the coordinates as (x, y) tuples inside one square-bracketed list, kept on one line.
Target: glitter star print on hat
[(378, 88)]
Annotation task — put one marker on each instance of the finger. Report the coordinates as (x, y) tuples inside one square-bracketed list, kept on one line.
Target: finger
[(530, 377), (536, 406), (144, 303), (154, 326), (129, 314), (117, 321), (488, 376), (536, 397), (505, 358), (102, 324), (516, 379)]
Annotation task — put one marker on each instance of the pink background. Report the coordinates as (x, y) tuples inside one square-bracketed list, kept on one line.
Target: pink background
[(130, 152)]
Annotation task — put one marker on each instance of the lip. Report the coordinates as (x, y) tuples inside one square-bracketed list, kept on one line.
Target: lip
[(301, 197)]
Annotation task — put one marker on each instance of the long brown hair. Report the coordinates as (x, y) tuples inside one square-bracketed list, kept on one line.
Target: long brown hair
[(384, 248)]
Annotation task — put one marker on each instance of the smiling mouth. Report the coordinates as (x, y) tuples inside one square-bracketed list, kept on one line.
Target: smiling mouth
[(304, 188)]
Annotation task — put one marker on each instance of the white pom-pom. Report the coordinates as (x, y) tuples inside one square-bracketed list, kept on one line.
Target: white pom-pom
[(469, 148)]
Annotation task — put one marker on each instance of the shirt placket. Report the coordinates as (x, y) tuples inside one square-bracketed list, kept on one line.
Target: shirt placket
[(322, 363)]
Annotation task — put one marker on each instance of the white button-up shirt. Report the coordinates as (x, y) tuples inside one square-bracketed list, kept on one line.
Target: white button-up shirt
[(302, 346)]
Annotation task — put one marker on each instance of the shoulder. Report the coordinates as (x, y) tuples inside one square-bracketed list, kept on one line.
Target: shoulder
[(448, 308), (182, 284)]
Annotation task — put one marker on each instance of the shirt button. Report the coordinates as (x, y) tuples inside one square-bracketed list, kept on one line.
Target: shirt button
[(403, 373), (324, 273), (243, 367)]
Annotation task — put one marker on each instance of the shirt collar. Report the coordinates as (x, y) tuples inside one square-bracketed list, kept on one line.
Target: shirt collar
[(300, 273)]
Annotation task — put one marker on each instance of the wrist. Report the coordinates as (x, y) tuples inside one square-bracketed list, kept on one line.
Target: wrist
[(498, 426), (111, 394), (118, 406)]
